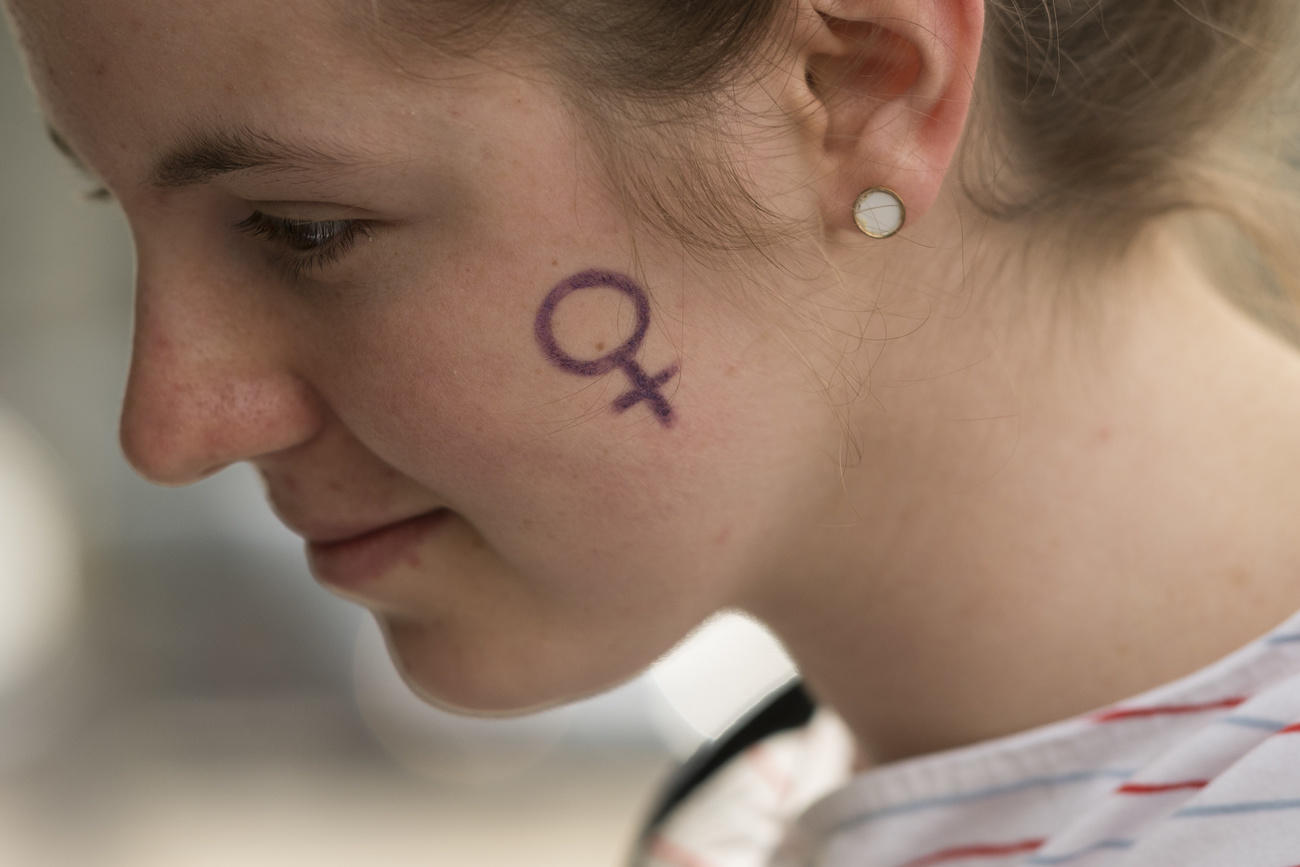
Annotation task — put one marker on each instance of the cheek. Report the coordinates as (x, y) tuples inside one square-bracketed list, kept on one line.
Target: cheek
[(460, 397), (538, 460), (453, 388), (459, 381)]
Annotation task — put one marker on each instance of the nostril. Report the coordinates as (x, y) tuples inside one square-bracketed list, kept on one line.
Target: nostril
[(178, 431)]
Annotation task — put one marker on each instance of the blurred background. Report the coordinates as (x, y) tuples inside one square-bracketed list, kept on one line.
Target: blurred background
[(174, 687)]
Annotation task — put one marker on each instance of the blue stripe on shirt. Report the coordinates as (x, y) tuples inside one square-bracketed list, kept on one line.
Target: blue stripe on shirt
[(1232, 809), (1254, 722)]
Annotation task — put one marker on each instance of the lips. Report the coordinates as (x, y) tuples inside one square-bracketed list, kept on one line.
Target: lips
[(361, 558)]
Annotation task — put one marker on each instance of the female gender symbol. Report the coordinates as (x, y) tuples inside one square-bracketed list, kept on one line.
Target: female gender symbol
[(644, 387)]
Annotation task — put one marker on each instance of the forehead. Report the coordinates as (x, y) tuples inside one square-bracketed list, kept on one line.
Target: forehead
[(127, 39), (113, 74)]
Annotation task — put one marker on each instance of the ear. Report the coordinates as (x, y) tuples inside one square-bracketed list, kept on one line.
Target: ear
[(889, 83)]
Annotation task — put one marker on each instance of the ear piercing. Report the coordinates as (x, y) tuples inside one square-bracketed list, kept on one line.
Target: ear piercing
[(879, 213)]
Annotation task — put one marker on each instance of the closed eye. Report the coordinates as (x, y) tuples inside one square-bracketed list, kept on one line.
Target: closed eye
[(304, 245)]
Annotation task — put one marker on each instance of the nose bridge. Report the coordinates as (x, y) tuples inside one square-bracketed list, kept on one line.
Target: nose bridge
[(210, 384)]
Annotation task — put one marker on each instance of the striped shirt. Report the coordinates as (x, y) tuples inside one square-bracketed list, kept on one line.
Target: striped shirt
[(1201, 772)]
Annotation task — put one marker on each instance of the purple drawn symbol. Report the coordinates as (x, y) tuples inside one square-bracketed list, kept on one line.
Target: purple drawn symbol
[(644, 387)]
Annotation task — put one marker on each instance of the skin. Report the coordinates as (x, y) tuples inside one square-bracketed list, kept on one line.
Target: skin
[(1024, 522)]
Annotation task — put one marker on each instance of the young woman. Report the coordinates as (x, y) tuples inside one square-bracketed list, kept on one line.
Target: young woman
[(903, 325)]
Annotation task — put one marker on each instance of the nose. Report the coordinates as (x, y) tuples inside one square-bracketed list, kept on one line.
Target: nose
[(211, 382)]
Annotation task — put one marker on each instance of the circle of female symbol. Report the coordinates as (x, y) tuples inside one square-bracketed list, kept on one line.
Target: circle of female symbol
[(644, 387)]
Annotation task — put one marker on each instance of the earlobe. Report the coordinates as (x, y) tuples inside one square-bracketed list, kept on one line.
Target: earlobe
[(892, 82)]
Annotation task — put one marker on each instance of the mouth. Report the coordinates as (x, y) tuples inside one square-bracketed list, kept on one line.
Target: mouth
[(363, 558)]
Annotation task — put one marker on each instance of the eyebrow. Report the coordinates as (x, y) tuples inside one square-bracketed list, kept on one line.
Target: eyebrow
[(201, 157)]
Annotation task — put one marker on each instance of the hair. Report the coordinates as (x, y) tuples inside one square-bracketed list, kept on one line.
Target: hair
[(1107, 114), (1119, 112)]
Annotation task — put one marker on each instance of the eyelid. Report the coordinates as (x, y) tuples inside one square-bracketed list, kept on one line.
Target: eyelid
[(297, 260)]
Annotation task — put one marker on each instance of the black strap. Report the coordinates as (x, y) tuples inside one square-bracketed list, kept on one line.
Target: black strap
[(788, 708)]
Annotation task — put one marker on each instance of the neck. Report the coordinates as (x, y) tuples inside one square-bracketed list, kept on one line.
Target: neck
[(1040, 525)]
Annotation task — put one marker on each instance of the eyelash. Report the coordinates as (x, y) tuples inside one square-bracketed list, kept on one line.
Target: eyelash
[(306, 245), (310, 245)]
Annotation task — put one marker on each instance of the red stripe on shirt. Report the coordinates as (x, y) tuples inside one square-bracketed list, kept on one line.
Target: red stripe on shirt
[(982, 851), (1157, 788), (1166, 710), (1291, 730)]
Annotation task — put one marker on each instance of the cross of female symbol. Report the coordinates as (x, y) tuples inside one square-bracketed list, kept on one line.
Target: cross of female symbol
[(644, 387)]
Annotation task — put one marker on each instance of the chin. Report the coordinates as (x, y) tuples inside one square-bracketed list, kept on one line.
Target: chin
[(484, 687)]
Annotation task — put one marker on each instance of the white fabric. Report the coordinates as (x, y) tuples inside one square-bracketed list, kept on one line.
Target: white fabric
[(1201, 772)]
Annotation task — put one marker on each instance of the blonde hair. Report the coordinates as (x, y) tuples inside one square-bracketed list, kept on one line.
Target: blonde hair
[(1113, 113)]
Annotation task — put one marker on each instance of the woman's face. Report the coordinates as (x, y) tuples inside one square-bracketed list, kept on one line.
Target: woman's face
[(402, 290)]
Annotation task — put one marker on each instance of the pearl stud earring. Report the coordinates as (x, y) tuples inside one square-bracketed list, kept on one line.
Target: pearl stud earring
[(879, 213)]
